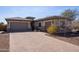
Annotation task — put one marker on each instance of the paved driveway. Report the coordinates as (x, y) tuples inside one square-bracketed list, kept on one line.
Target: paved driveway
[(38, 42)]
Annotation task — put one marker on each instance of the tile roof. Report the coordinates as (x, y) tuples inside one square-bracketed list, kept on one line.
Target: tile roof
[(17, 18)]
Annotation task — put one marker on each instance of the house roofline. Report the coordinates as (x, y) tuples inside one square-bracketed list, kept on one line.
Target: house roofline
[(17, 19), (52, 17)]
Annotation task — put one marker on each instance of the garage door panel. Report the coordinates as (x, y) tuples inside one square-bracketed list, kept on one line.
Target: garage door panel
[(19, 27)]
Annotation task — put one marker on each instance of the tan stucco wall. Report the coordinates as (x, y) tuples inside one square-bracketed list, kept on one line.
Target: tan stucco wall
[(19, 25), (56, 22)]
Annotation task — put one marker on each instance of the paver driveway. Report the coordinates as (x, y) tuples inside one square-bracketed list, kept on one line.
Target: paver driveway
[(38, 41)]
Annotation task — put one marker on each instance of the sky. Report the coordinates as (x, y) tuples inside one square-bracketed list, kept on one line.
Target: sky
[(35, 11)]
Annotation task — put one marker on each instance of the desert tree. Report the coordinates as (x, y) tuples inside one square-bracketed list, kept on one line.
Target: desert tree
[(70, 13)]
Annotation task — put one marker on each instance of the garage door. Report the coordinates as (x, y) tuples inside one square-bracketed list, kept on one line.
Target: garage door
[(18, 27)]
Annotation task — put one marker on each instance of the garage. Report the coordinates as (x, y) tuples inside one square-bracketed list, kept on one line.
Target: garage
[(18, 24)]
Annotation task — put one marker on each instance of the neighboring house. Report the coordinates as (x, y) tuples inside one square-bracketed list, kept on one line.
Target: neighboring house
[(59, 21), (18, 24)]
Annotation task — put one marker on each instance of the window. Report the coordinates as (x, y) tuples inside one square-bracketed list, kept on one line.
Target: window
[(62, 23), (53, 22), (47, 24)]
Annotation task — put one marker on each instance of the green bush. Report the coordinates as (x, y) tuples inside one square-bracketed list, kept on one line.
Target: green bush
[(52, 29)]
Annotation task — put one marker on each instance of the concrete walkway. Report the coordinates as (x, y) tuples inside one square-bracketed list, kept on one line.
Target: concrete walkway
[(38, 42)]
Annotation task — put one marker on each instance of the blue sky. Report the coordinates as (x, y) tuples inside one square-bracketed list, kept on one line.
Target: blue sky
[(36, 11)]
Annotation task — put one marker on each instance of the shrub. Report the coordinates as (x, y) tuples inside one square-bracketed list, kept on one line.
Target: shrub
[(52, 29), (2, 27)]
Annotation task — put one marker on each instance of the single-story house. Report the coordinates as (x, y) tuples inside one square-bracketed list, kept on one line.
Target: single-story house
[(18, 24), (25, 24), (44, 23)]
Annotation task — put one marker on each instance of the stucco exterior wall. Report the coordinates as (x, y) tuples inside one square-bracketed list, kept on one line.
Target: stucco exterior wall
[(57, 22)]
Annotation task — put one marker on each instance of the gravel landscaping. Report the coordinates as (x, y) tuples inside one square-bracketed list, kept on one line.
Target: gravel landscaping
[(4, 42), (73, 39)]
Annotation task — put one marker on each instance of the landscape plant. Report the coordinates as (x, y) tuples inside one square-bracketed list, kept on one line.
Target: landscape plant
[(52, 29)]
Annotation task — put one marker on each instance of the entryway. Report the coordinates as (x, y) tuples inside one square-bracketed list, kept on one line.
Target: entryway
[(32, 26)]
